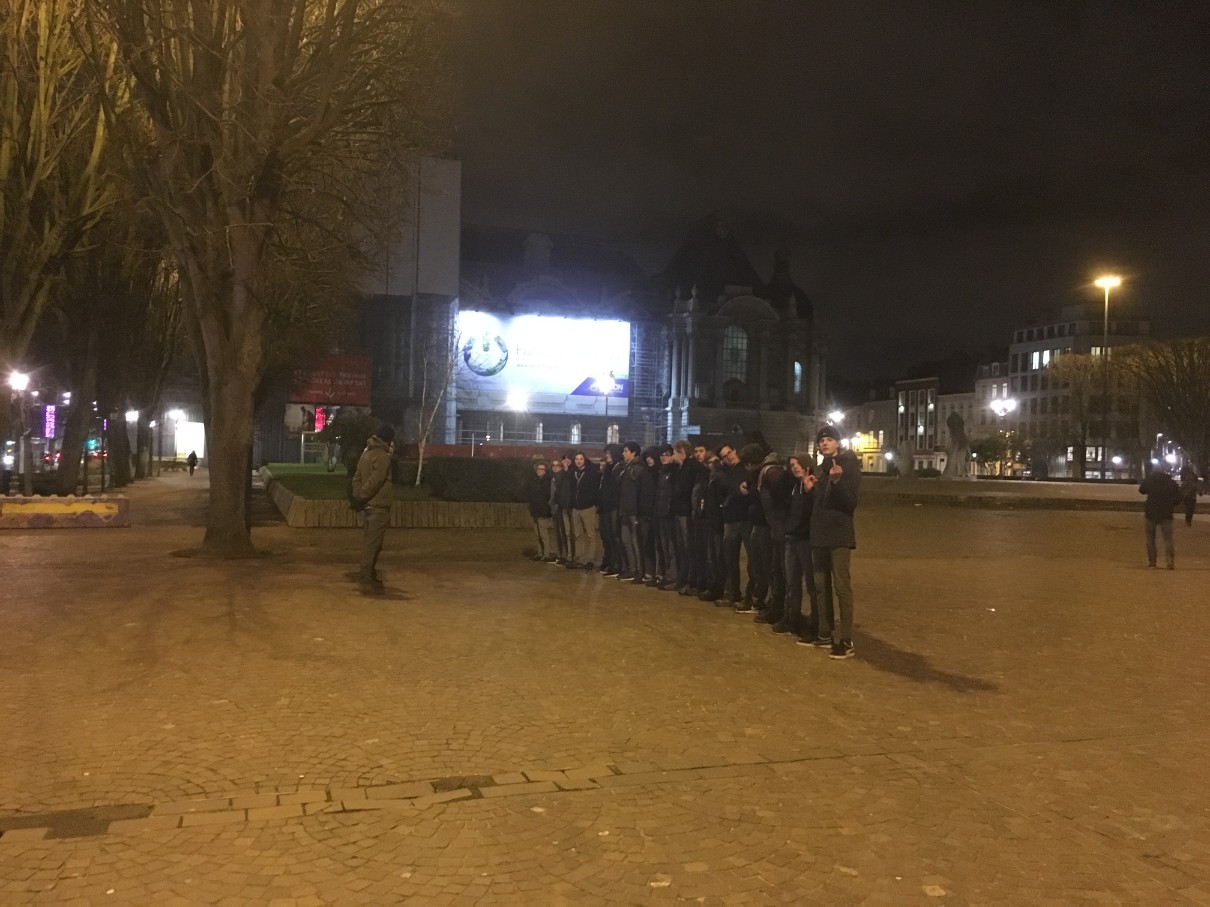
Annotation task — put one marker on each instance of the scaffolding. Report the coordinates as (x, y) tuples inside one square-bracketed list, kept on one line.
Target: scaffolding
[(649, 370)]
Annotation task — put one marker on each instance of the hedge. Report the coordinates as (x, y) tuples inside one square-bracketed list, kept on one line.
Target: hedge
[(489, 480)]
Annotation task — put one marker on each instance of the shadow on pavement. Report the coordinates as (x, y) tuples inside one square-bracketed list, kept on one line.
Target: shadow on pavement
[(886, 657)]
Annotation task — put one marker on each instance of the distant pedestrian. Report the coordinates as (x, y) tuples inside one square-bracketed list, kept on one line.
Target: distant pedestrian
[(191, 461), (833, 538), (372, 496), (538, 496), (1189, 484), (1163, 497)]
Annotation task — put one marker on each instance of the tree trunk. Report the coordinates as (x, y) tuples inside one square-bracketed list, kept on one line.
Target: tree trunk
[(75, 434), (119, 450), (230, 449)]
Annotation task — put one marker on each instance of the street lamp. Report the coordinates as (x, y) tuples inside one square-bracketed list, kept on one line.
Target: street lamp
[(19, 382), (518, 402), (835, 417), (1002, 406), (1106, 282)]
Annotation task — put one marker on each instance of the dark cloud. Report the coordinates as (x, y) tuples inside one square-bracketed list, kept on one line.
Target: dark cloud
[(939, 171)]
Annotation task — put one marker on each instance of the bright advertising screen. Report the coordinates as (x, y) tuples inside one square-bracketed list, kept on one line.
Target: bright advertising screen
[(542, 363)]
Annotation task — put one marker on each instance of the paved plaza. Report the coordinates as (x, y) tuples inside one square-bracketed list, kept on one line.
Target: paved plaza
[(1024, 723)]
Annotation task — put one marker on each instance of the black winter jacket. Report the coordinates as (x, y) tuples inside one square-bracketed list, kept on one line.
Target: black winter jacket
[(585, 485), (835, 503), (537, 493)]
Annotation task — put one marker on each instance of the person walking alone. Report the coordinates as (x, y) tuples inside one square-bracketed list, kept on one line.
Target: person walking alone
[(1188, 492), (372, 496), (1163, 497)]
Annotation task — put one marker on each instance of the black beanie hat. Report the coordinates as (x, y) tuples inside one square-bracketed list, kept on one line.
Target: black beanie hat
[(386, 432), (828, 431)]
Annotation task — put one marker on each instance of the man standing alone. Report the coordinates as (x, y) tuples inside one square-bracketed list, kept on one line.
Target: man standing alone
[(838, 482), (372, 495), (1163, 496)]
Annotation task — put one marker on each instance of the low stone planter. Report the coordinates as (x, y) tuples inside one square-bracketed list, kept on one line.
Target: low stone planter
[(301, 513), (50, 512)]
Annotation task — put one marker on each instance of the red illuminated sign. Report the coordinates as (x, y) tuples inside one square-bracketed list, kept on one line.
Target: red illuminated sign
[(336, 380)]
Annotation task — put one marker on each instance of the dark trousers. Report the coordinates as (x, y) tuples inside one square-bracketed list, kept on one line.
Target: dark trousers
[(635, 531), (832, 576), (1190, 502), (563, 535), (715, 576), (1165, 528), (777, 569), (377, 519), (733, 541), (665, 546), (800, 569), (685, 568), (646, 537), (758, 541), (607, 522)]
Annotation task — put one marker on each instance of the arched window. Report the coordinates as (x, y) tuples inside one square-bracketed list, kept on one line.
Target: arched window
[(613, 434), (574, 437), (798, 377), (735, 354)]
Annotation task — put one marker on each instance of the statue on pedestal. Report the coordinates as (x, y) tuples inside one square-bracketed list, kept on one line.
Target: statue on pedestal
[(958, 453)]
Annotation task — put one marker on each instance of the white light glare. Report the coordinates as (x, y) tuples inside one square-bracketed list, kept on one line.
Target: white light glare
[(835, 417), (1117, 461), (18, 381), (132, 416), (176, 415), (518, 400), (1170, 458)]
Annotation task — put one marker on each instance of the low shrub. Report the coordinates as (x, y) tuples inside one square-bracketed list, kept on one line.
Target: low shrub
[(482, 479)]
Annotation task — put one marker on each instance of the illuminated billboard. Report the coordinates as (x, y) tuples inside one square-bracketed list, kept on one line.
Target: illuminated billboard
[(543, 363)]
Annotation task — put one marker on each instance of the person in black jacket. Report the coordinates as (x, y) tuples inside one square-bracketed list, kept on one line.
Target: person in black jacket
[(712, 521), (837, 485), (687, 473), (648, 484), (537, 493), (560, 503), (585, 481), (773, 486), (629, 471), (732, 492), (799, 565), (665, 521), (607, 512), (1163, 496)]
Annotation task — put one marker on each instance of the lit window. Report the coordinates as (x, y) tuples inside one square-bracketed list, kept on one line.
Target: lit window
[(538, 433), (1035, 360), (798, 377), (735, 354), (574, 437), (613, 434), (1045, 358)]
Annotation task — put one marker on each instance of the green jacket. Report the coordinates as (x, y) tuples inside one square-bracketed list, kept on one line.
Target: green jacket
[(372, 481)]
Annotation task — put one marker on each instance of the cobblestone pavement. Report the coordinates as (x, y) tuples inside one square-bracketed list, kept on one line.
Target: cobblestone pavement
[(1025, 722)]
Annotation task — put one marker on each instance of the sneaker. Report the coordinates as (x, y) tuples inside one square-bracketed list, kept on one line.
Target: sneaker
[(687, 590), (707, 596), (783, 627), (724, 602), (768, 616), (612, 571), (549, 559), (651, 582), (822, 642), (744, 607), (841, 649), (670, 587)]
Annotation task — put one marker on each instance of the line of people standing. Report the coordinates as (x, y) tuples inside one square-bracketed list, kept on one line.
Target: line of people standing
[(680, 518)]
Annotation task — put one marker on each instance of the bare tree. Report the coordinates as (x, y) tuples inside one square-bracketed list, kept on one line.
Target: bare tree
[(53, 187), (1175, 380), (438, 363), (1081, 376), (273, 122)]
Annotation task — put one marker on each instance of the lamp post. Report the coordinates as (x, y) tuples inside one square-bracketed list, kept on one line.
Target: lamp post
[(19, 382), (606, 385), (1106, 282)]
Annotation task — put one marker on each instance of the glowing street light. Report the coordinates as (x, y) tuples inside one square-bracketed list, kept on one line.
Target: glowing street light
[(176, 415), (132, 416), (18, 381), (1106, 282), (1003, 406), (835, 417)]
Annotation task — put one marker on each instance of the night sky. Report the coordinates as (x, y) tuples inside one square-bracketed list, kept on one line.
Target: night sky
[(940, 172)]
